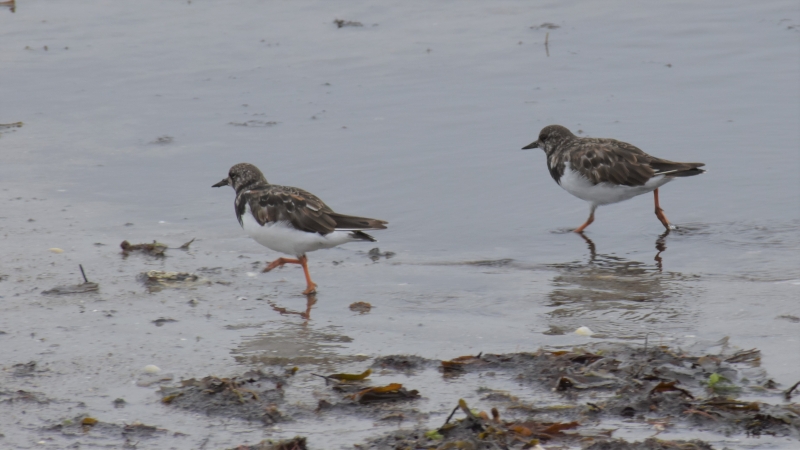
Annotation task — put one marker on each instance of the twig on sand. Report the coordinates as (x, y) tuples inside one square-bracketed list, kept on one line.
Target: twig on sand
[(546, 47), (788, 392), (450, 416), (85, 280)]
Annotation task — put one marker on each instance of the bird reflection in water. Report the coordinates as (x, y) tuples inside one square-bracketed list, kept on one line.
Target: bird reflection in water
[(311, 300), (615, 296), (661, 246)]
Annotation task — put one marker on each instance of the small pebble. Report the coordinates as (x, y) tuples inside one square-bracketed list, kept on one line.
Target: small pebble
[(151, 369), (584, 331), (56, 250)]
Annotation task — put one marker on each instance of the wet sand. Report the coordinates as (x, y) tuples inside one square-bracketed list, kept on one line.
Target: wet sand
[(133, 111)]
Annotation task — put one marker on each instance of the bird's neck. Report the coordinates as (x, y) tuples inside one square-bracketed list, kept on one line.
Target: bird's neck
[(252, 184)]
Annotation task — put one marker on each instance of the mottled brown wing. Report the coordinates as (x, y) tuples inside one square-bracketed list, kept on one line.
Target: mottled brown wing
[(612, 161), (302, 209)]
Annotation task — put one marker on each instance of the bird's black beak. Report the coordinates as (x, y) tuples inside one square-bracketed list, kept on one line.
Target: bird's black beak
[(534, 144), (224, 182)]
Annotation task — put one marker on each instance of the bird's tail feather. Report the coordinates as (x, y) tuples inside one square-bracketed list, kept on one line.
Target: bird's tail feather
[(361, 236), (686, 173), (675, 169), (344, 222)]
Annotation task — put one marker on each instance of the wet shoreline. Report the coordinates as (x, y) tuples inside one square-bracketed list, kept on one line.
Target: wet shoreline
[(129, 112)]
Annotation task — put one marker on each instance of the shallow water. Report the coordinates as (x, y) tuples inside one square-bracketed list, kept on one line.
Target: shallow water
[(132, 111)]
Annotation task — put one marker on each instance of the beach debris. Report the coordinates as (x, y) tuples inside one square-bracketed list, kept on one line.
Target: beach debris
[(718, 384), (545, 26), (376, 254), (393, 391), (347, 23), (555, 330), (155, 280), (155, 248), (20, 395), (155, 376), (666, 386), (27, 369), (360, 307), (296, 443), (56, 250), (789, 317), (402, 363), (658, 386), (788, 393), (547, 44), (79, 426), (254, 123), (649, 444), (164, 277), (89, 421), (480, 430), (584, 331), (6, 127), (162, 140), (86, 286), (356, 394), (73, 289), (350, 376), (345, 376), (255, 396), (457, 364), (162, 320)]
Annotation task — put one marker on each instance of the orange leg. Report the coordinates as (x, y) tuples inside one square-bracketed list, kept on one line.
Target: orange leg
[(660, 212), (280, 262), (311, 287), (588, 221)]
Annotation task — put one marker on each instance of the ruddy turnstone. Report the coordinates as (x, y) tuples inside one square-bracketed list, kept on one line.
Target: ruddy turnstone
[(290, 220), (604, 171)]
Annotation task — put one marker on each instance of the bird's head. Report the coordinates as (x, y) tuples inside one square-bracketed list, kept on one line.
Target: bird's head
[(242, 175), (549, 138)]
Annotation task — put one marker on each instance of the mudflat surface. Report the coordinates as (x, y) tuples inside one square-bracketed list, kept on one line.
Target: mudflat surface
[(130, 112)]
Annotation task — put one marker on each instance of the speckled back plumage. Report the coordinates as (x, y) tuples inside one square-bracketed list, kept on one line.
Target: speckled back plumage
[(602, 160), (273, 203)]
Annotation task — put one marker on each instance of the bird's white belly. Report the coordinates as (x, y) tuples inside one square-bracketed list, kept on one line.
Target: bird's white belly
[(605, 193), (282, 237)]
